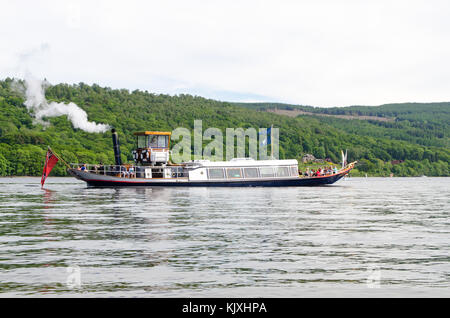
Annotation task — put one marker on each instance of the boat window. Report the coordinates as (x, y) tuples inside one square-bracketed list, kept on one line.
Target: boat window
[(266, 172), (294, 171), (282, 171), (163, 141), (234, 173), (158, 141), (153, 141), (216, 173), (141, 142), (251, 172)]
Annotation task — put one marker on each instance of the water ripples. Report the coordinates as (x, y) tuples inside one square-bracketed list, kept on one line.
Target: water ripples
[(207, 242)]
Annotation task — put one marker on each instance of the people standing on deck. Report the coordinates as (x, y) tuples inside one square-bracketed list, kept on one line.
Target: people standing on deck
[(101, 168), (321, 171)]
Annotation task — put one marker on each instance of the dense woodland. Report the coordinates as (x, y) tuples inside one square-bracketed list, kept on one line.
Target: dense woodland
[(415, 143), (421, 123)]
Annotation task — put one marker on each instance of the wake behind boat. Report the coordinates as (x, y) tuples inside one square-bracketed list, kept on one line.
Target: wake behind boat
[(153, 168)]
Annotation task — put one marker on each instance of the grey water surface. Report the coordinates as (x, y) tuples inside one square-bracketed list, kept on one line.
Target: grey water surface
[(362, 237)]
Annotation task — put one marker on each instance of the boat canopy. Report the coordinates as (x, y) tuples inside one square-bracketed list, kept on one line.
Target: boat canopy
[(242, 162), (145, 133)]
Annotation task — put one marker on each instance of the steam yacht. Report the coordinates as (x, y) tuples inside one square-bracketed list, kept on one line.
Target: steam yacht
[(152, 168)]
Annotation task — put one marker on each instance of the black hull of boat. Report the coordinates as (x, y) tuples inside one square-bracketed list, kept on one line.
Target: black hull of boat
[(93, 180)]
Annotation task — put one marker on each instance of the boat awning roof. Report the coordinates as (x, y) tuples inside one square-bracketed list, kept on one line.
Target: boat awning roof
[(242, 163), (144, 133)]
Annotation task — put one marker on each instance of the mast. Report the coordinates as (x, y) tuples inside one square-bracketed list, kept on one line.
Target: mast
[(271, 141)]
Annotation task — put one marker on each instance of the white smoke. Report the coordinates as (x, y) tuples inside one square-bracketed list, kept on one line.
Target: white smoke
[(34, 91)]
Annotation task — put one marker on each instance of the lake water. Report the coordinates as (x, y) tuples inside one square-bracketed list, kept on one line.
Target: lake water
[(362, 237)]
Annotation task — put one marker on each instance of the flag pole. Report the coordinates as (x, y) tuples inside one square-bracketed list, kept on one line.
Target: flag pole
[(271, 141), (57, 156)]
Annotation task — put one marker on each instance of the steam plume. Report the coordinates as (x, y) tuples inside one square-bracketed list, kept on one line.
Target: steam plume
[(34, 91)]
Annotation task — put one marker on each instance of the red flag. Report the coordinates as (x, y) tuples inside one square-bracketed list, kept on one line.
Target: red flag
[(50, 161)]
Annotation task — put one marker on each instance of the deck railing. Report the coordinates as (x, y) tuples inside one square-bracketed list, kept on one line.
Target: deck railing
[(132, 171), (129, 171)]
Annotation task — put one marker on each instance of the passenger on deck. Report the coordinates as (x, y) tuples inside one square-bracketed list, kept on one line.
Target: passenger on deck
[(101, 168), (131, 172)]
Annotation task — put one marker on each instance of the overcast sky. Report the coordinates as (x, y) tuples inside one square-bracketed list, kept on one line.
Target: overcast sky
[(320, 53)]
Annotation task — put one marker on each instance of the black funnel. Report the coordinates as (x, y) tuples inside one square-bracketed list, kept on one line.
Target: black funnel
[(116, 147)]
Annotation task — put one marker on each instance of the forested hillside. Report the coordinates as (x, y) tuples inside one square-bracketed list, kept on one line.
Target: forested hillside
[(379, 151), (421, 123)]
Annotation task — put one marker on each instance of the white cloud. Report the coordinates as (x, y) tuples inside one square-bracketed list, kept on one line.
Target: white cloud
[(322, 53)]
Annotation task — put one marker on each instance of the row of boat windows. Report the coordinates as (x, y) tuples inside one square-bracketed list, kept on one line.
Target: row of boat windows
[(261, 172), (153, 141)]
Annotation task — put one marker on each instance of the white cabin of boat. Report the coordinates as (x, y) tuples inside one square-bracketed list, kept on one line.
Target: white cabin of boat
[(241, 168)]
